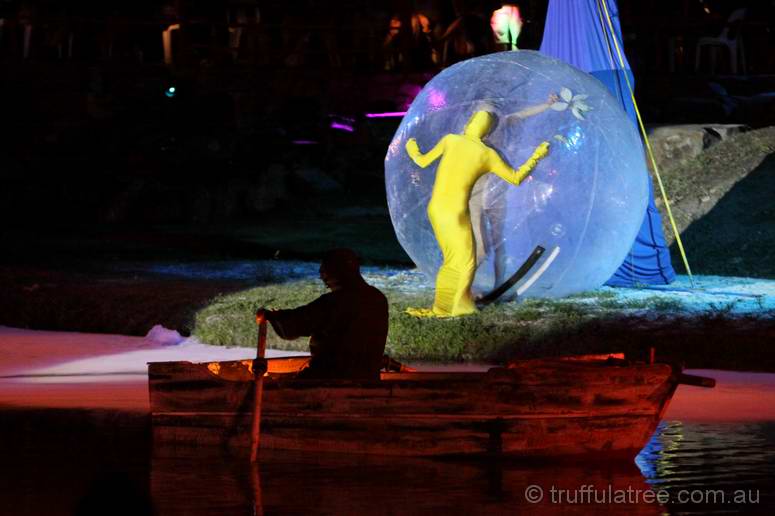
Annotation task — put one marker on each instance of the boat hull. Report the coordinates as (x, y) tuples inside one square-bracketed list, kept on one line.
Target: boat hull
[(540, 408)]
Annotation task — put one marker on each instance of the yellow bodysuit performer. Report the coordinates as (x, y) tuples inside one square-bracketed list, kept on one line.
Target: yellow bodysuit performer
[(464, 159)]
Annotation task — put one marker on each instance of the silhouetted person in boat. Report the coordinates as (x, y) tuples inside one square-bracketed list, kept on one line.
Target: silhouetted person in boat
[(347, 326)]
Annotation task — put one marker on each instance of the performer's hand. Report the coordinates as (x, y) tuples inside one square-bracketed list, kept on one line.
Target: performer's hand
[(412, 148), (553, 97), (542, 150)]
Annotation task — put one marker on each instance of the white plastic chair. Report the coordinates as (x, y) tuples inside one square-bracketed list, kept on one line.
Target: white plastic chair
[(734, 45)]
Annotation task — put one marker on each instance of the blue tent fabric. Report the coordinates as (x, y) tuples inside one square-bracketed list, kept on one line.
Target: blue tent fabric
[(576, 32)]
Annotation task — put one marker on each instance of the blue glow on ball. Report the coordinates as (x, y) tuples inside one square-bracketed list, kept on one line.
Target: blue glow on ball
[(586, 199), (171, 92)]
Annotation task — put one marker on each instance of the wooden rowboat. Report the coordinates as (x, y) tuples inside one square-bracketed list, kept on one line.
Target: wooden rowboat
[(540, 408)]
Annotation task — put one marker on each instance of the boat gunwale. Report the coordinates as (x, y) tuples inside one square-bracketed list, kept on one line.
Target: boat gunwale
[(493, 374), (412, 415)]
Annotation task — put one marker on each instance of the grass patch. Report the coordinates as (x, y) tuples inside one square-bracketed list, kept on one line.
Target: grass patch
[(497, 333), (229, 320)]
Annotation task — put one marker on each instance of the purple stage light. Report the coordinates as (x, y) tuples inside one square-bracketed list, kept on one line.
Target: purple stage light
[(342, 127), (388, 114)]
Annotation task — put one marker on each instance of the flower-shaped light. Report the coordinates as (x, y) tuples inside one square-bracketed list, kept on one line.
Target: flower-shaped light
[(575, 102)]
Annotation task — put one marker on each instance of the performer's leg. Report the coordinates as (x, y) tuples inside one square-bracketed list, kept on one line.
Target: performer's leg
[(454, 235), (456, 274)]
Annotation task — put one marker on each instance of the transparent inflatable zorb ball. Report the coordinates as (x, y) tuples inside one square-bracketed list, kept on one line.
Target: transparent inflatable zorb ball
[(583, 203)]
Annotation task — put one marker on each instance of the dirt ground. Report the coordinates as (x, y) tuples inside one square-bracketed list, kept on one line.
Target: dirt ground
[(722, 204)]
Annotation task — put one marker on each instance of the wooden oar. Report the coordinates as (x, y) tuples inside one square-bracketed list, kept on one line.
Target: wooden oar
[(258, 375)]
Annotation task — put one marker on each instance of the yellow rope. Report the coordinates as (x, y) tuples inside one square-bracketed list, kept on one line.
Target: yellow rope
[(646, 139)]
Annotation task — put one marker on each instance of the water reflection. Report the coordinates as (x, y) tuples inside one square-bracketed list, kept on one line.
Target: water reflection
[(728, 458), (85, 463), (293, 483)]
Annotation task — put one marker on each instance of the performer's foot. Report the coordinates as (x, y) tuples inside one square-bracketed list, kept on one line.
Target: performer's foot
[(432, 312), (422, 312)]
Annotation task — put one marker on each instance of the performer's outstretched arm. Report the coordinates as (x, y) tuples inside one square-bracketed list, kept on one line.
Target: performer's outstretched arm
[(534, 110), (423, 160), (501, 169)]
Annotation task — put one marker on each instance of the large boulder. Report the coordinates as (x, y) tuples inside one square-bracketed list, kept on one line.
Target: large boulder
[(675, 144)]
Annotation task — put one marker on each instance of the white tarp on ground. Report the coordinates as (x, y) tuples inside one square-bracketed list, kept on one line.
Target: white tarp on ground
[(63, 370), (63, 357)]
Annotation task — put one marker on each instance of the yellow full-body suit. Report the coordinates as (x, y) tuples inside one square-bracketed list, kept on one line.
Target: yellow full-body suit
[(464, 159)]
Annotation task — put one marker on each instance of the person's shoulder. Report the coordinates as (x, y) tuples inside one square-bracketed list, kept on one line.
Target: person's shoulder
[(364, 288), (324, 299), (375, 293)]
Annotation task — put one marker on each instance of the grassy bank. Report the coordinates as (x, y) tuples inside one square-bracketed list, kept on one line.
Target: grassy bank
[(496, 333), (596, 322), (722, 203)]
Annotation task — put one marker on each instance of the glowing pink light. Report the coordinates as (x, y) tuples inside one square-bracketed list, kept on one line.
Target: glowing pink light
[(437, 99), (342, 127), (304, 142), (388, 114)]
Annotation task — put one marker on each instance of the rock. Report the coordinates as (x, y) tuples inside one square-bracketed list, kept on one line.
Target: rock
[(163, 336), (674, 144)]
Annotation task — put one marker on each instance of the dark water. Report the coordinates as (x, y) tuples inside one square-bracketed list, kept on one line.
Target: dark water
[(57, 462)]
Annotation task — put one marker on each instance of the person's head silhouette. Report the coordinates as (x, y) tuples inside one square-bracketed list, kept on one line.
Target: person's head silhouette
[(340, 267)]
